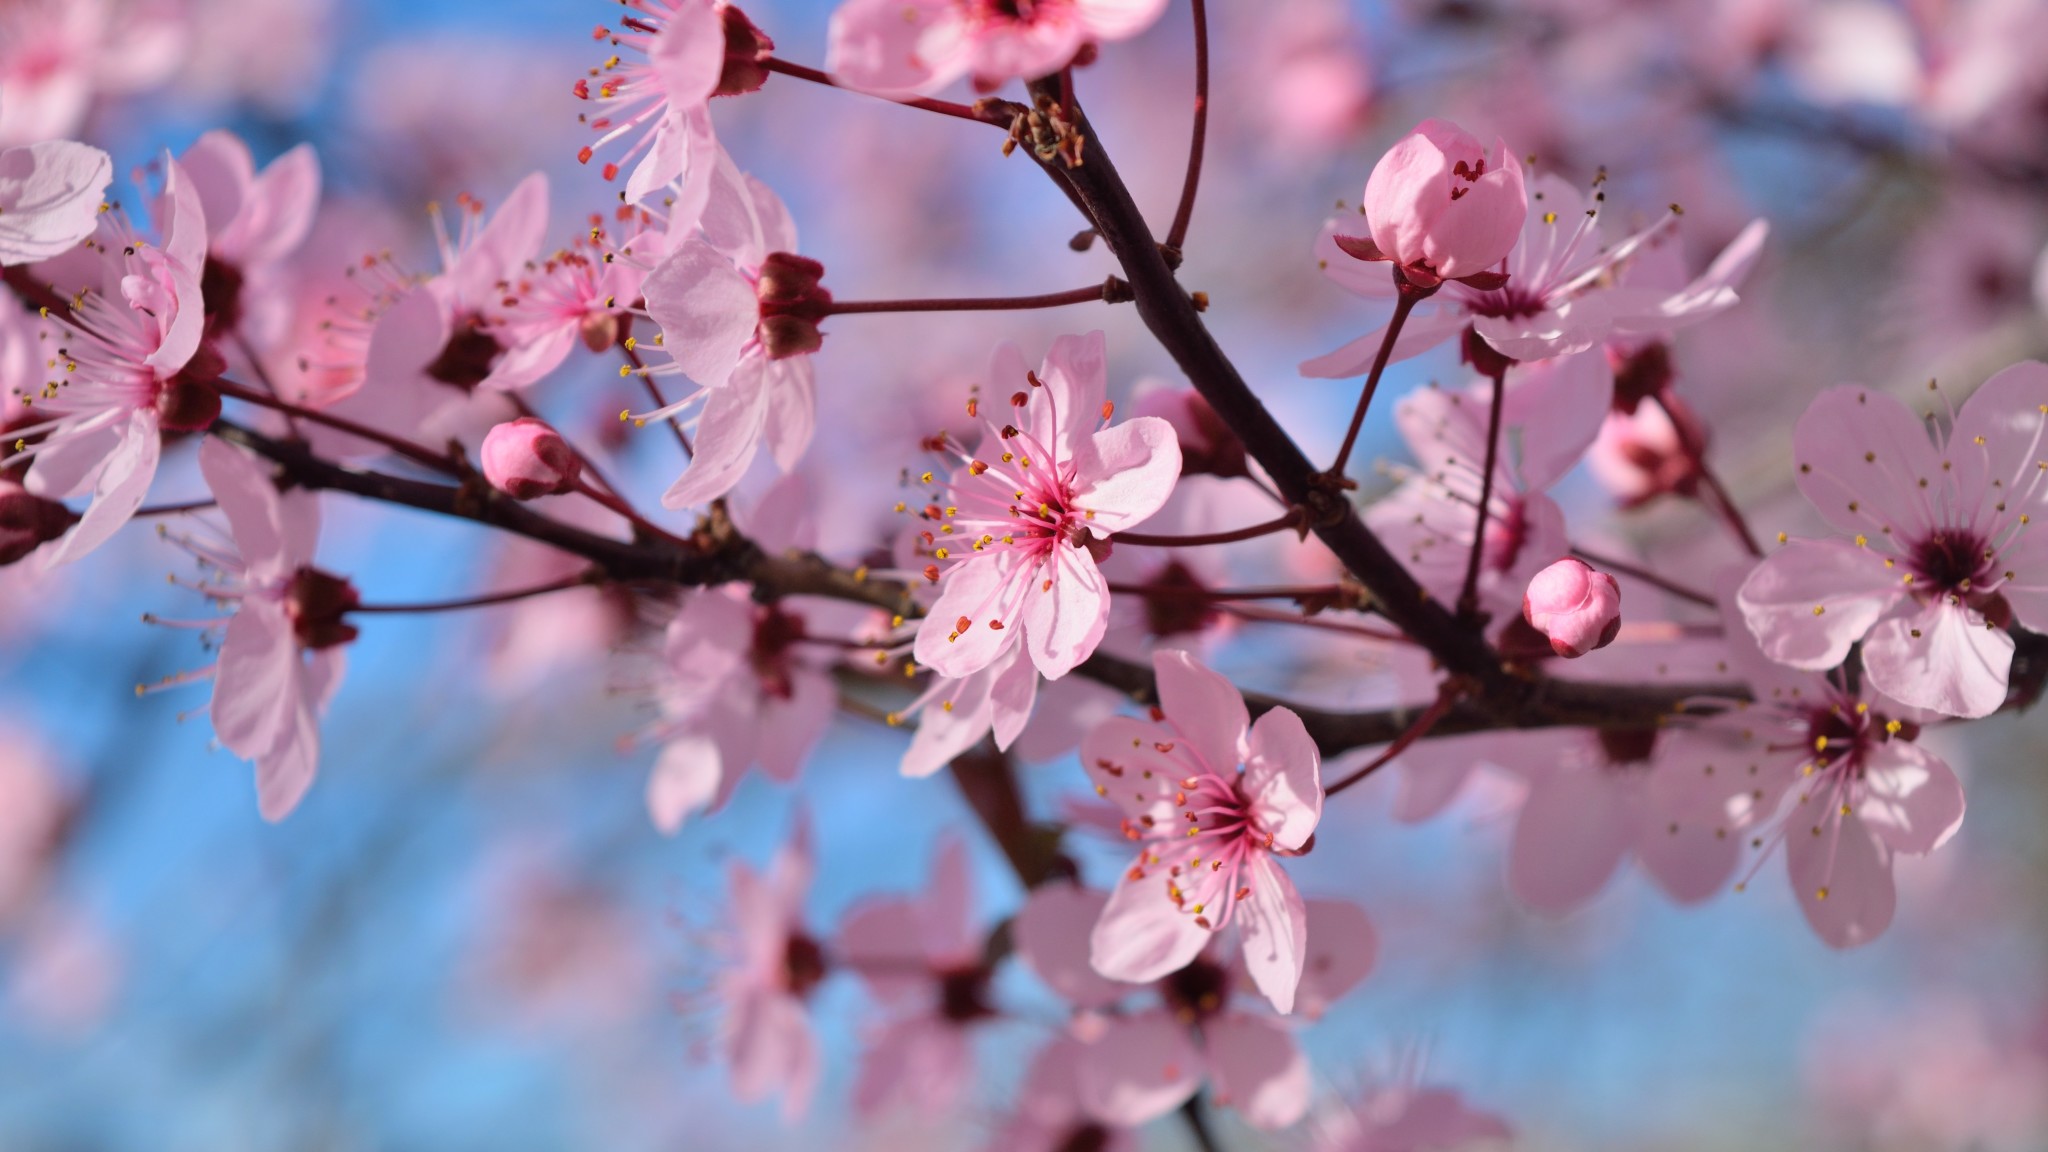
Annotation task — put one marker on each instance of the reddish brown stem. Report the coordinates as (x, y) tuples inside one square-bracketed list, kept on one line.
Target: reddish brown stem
[(1404, 303), (618, 505), (1177, 234), (1094, 293), (1289, 522), (1693, 442), (1468, 597), (1436, 711), (1646, 576), (175, 509), (1223, 595), (942, 107), (417, 453), (591, 577)]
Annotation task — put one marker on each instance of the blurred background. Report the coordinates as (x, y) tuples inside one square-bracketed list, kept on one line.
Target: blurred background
[(469, 935)]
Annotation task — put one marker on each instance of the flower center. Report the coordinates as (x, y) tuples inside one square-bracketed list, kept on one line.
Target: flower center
[(963, 995), (1627, 748), (1951, 561), (1513, 302), (1088, 1137), (1197, 992), (466, 360), (1176, 602), (775, 633), (803, 964)]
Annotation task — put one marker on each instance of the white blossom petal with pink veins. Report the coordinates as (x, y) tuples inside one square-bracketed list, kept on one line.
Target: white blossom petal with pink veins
[(1210, 830), (281, 652), (1017, 526), (1942, 559), (117, 378), (908, 47), (1566, 290)]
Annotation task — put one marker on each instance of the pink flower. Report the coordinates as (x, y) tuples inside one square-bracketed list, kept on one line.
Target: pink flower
[(924, 959), (736, 689), (1559, 297), (1440, 207), (1139, 1065), (558, 950), (666, 98), (1941, 560), (1639, 457), (124, 352), (579, 294), (1032, 512), (1577, 608), (906, 47), (774, 966), (57, 55), (281, 653), (1213, 798), (1411, 1118), (36, 804), (996, 700), (526, 459), (254, 223), (738, 315), (1837, 778), (49, 198), (1050, 1114), (1550, 414)]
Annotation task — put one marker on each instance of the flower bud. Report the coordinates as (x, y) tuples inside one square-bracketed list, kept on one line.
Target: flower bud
[(745, 47), (793, 302), (1577, 608), (1641, 457), (28, 520), (525, 458), (1438, 203)]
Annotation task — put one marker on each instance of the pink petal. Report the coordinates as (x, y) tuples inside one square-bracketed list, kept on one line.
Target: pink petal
[(687, 778), (117, 491), (1433, 773), (1142, 934), (1116, 19), (689, 52), (987, 587), (1810, 600), (2027, 591), (706, 309), (255, 688), (50, 195), (1124, 761), (944, 733), (880, 939), (946, 914), (241, 485), (790, 728), (1141, 1068), (1944, 658), (1052, 935), (1683, 835), (1205, 708), (728, 436), (1272, 924), (1557, 408), (279, 211), (1426, 328), (1564, 328), (875, 46), (512, 237), (1011, 698), (1571, 835), (1126, 473), (221, 171), (1342, 949), (1860, 448), (285, 772), (1075, 378), (921, 1063), (792, 410), (1912, 801), (2006, 413), (1258, 1069), (1283, 778), (770, 1045), (1846, 862), (1063, 624), (67, 463)]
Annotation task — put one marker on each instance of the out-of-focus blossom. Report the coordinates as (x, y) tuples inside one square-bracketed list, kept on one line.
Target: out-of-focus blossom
[(1941, 559), (270, 54), (1212, 798), (1049, 1115), (1314, 82), (36, 804), (1440, 206), (460, 108), (1559, 297), (66, 972), (56, 56), (1024, 517), (1411, 1118), (923, 959), (281, 652), (581, 294), (556, 950), (1640, 457), (1574, 607), (905, 47), (526, 459), (254, 223), (132, 368), (766, 1028), (1550, 414), (49, 198)]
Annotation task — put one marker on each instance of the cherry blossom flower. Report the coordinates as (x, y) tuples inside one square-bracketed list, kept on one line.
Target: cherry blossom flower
[(1640, 456), (908, 47), (1550, 414), (1212, 798), (738, 314), (1834, 775), (130, 369), (1440, 206), (254, 223), (1411, 1118), (1050, 1114), (1560, 295), (1576, 608), (665, 97), (56, 56), (281, 652), (769, 966), (1941, 559), (1137, 1065), (1032, 510), (49, 198), (581, 294), (923, 959)]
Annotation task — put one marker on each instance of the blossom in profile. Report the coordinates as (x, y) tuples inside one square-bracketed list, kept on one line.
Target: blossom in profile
[(1213, 800), (668, 59), (1024, 519), (771, 966), (1939, 557), (907, 47), (127, 367), (50, 197), (281, 651)]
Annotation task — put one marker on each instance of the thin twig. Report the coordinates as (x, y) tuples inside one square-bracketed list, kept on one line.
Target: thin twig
[(1646, 576), (485, 601), (417, 453), (1468, 596), (942, 107), (1429, 719), (1290, 521), (1095, 293), (1404, 303), (1177, 235)]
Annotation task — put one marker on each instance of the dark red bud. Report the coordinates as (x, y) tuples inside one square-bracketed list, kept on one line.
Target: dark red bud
[(28, 521)]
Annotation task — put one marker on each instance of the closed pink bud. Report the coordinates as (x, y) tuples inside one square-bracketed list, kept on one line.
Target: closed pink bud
[(525, 458), (1436, 201), (1577, 608)]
